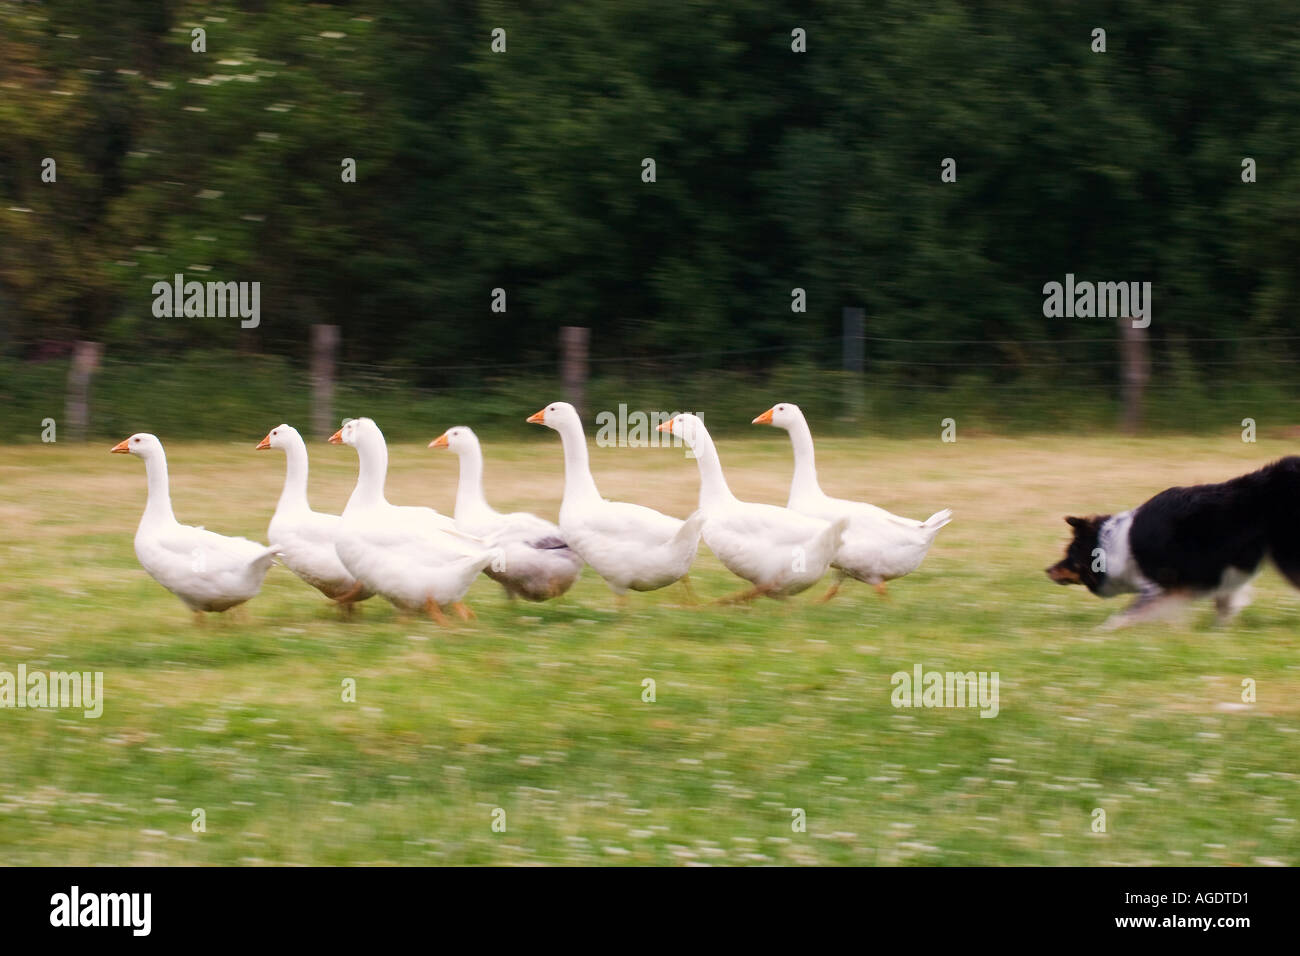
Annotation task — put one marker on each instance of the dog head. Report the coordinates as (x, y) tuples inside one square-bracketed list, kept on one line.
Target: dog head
[(1080, 564)]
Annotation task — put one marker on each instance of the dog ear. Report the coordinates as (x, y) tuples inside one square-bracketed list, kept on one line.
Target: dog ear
[(1076, 522)]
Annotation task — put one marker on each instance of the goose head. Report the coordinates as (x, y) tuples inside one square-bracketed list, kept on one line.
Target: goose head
[(556, 415), (281, 436), (459, 439), (685, 426), (141, 443), (356, 431), (782, 416)]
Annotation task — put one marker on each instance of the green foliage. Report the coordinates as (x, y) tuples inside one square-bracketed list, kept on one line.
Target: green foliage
[(522, 170)]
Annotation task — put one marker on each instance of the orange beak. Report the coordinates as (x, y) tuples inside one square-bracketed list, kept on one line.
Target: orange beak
[(264, 443), (666, 426), (439, 442), (120, 448), (765, 418), (538, 418), (336, 438)]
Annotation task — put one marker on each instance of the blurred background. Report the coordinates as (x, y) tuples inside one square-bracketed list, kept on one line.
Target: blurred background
[(775, 170)]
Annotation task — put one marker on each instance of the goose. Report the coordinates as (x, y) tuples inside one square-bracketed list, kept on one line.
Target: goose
[(878, 546), (536, 564), (206, 570), (631, 546), (306, 537), (779, 551), (413, 556)]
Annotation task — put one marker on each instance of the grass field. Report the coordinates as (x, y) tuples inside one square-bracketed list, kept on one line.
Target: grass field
[(538, 710)]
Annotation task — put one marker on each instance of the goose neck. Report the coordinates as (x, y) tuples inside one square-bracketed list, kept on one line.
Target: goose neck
[(372, 455), (805, 464), (158, 507), (294, 494), (578, 483), (714, 489), (470, 500)]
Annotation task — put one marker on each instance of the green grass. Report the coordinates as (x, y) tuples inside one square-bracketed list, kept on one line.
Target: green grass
[(537, 709)]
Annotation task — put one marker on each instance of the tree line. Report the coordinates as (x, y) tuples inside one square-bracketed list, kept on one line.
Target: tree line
[(934, 164)]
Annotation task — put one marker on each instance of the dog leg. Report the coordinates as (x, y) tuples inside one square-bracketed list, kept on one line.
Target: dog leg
[(1228, 606), (1149, 605)]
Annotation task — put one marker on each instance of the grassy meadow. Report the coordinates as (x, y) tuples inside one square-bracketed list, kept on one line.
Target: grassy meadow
[(537, 710)]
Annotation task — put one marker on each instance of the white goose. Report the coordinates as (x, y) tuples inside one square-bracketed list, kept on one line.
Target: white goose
[(414, 557), (536, 564), (878, 546), (632, 547), (206, 570), (779, 551), (305, 538)]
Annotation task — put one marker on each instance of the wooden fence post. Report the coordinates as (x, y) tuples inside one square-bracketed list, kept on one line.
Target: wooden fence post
[(853, 322), (1136, 373), (324, 343), (573, 363), (85, 359)]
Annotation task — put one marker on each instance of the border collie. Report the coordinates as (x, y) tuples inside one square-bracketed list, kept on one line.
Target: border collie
[(1202, 541)]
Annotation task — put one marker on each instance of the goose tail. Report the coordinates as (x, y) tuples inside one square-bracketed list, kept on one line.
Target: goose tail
[(266, 551), (838, 527), (690, 528), (937, 520)]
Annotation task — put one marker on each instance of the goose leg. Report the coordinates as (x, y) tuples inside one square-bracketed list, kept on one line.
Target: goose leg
[(351, 594), (435, 612), (834, 588), (198, 618), (463, 612), (880, 589), (690, 591), (744, 597)]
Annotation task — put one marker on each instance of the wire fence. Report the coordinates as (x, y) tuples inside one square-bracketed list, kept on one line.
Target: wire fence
[(1051, 385)]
